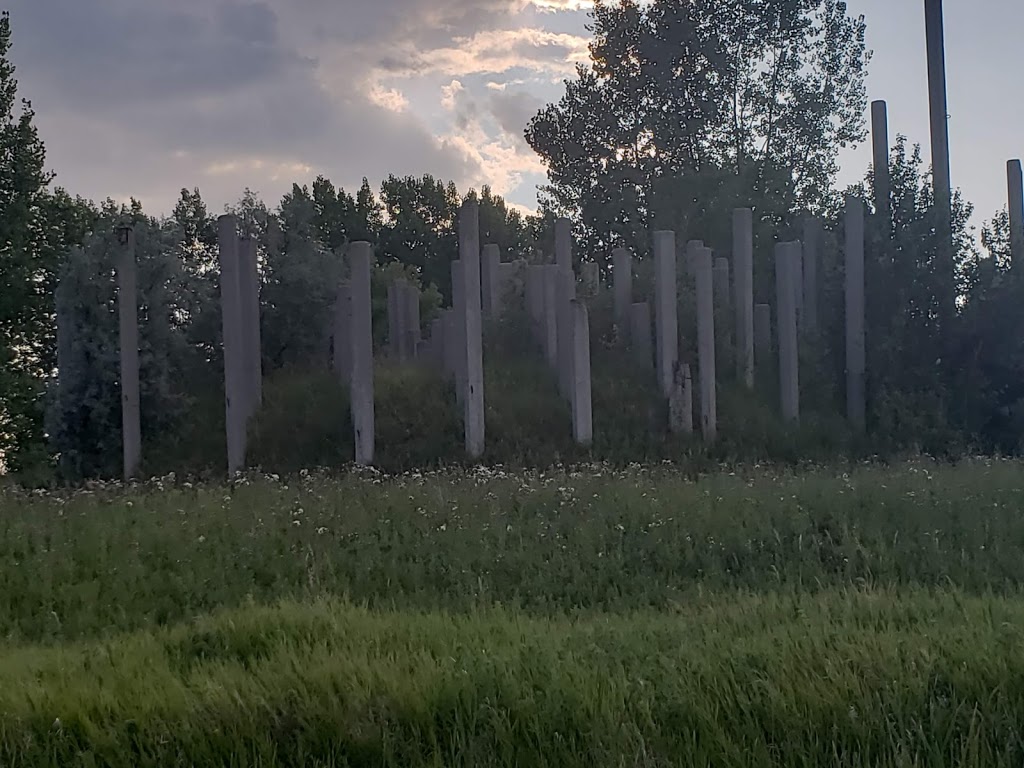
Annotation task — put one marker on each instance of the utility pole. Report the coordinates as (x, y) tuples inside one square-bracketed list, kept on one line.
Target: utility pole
[(935, 36)]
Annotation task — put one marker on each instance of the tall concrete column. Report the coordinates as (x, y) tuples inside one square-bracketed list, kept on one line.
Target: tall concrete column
[(582, 408), (786, 292), (704, 273), (437, 343), (622, 274), (343, 334), (127, 305), (743, 264), (666, 319), (880, 151), (249, 293), (680, 405), (565, 282), (535, 293), (394, 310), (469, 255), (490, 280), (590, 279), (563, 243), (939, 114), (549, 328), (813, 237), (361, 326), (459, 335), (1015, 187), (763, 335), (855, 351), (411, 333), (640, 334), (234, 352), (450, 354), (723, 305)]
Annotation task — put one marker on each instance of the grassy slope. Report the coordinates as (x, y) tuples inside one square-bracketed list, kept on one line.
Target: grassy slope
[(862, 617), (840, 679)]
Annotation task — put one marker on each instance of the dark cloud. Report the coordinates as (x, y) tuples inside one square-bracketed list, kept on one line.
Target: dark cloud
[(513, 110)]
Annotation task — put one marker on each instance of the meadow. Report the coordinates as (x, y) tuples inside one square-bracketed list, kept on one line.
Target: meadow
[(863, 614)]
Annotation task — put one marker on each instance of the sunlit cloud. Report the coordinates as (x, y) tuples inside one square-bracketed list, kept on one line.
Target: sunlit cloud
[(390, 99), (449, 93)]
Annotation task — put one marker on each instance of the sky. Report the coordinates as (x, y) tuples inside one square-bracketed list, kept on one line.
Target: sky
[(140, 98)]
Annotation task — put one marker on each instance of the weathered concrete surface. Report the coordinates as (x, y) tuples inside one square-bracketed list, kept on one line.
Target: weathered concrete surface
[(666, 319), (234, 353), (343, 334), (361, 384), (458, 337), (703, 266), (565, 295), (550, 326), (249, 292), (490, 280), (622, 275), (763, 335), (469, 255), (680, 404), (582, 412), (1015, 189), (813, 237), (743, 258), (127, 305), (855, 351)]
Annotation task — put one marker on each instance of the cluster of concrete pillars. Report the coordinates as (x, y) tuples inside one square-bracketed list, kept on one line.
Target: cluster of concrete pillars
[(404, 327)]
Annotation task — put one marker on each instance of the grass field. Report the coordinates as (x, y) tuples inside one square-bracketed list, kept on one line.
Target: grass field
[(867, 615)]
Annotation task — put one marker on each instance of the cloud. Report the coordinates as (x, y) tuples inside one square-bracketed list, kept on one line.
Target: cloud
[(143, 97)]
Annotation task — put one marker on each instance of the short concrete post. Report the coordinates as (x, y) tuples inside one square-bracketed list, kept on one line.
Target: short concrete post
[(743, 264), (590, 279), (343, 334), (234, 353), (566, 294), (855, 351), (458, 338), (1015, 187), (622, 274), (127, 305), (490, 280), (361, 327), (680, 405), (665, 309), (786, 292), (249, 292), (813, 237), (640, 334), (704, 273), (549, 329), (582, 409), (469, 255), (763, 334)]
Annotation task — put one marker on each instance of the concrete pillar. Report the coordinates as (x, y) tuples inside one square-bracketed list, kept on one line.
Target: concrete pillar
[(582, 409), (743, 264), (1015, 187), (796, 254), (665, 309), (361, 326), (622, 274), (813, 237), (550, 324), (640, 334), (855, 351), (437, 358), (234, 354), (566, 294), (458, 337), (880, 165), (723, 306), (704, 274), (490, 280), (127, 305), (763, 334), (789, 361), (343, 334), (449, 353), (590, 279), (249, 293), (680, 405), (535, 294), (469, 255)]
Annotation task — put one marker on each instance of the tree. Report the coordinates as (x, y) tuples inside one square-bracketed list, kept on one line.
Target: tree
[(700, 93)]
